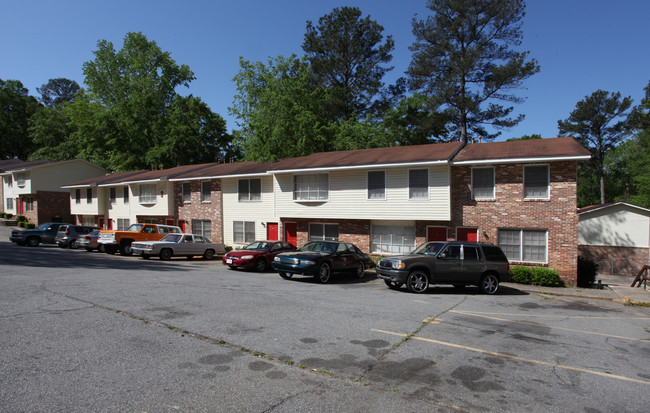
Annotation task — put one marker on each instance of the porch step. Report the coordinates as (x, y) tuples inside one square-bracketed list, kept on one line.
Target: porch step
[(10, 222)]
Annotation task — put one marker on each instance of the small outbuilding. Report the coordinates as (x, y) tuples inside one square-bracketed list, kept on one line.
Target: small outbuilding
[(616, 236)]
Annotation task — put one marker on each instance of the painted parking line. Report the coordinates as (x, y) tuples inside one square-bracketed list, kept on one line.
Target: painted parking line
[(509, 356), (562, 316), (481, 315)]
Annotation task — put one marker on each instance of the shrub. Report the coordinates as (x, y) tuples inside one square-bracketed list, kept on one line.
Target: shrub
[(8, 215), (545, 277), (587, 270), (2, 214), (21, 224), (30, 225), (21, 218)]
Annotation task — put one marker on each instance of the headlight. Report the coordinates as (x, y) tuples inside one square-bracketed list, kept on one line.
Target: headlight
[(276, 259), (247, 257), (395, 264), (307, 262)]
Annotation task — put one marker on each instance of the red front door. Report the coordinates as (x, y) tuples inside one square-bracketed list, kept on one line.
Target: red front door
[(467, 234), (181, 224), (291, 233), (272, 231), (436, 234)]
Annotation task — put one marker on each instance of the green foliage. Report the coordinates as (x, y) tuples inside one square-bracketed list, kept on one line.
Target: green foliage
[(347, 55), (21, 218), (2, 214), (16, 108), (535, 276), (58, 91), (587, 271), (599, 122), (463, 60), (526, 137), (30, 225), (21, 224), (8, 215)]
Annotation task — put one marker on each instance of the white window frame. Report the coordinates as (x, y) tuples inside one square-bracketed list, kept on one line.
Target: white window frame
[(323, 237), (123, 224), (383, 188), (206, 197), (112, 193), (247, 232), (520, 244), (125, 195), (477, 170), (186, 191), (21, 179), (548, 181), (77, 196), (202, 227), (9, 202), (245, 193), (393, 240), (147, 193), (89, 191), (9, 181), (313, 192), (29, 203), (411, 195)]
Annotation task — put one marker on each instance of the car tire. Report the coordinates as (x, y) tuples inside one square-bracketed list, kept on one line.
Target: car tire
[(32, 242), (417, 282), (360, 272), (125, 248), (393, 285), (100, 248), (166, 254), (73, 244), (489, 284), (324, 273), (260, 265), (286, 275), (208, 254)]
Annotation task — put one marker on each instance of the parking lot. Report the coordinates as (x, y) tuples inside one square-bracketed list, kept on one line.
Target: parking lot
[(92, 332)]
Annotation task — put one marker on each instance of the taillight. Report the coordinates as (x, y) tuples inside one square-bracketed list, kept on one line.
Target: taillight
[(67, 231), (87, 237)]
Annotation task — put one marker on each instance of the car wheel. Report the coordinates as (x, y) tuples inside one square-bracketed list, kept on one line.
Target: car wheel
[(417, 282), (73, 244), (361, 270), (489, 284), (393, 285), (260, 265), (89, 249), (324, 272), (33, 242), (125, 248), (286, 275), (165, 254), (145, 256), (208, 255)]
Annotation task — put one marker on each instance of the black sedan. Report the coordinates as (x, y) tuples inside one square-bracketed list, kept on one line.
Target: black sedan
[(321, 259)]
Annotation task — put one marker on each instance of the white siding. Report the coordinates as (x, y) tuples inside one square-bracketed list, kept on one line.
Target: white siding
[(615, 226), (259, 212), (162, 207), (96, 207), (348, 197), (53, 177)]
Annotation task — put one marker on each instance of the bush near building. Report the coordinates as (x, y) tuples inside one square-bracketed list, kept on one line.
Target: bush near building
[(545, 277)]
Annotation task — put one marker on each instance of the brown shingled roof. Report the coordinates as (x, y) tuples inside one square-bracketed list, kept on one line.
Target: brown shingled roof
[(374, 156), (226, 169), (164, 174), (107, 179), (528, 149)]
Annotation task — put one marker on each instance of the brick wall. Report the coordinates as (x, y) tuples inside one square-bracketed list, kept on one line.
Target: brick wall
[(196, 209), (354, 231), (49, 207), (616, 260), (509, 210)]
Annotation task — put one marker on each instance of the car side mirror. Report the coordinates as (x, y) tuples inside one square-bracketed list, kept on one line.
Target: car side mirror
[(442, 255)]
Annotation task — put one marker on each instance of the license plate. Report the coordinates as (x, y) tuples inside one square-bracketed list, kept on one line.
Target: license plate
[(228, 261)]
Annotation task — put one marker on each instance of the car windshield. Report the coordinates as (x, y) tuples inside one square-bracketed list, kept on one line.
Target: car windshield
[(319, 246), (257, 245), (430, 248), (135, 227), (43, 227), (172, 238)]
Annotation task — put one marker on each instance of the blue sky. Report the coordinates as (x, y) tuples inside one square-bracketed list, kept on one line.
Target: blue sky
[(581, 45)]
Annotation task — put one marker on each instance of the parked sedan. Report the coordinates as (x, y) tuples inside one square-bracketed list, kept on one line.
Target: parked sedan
[(188, 245), (67, 235), (258, 255), (90, 241), (321, 259)]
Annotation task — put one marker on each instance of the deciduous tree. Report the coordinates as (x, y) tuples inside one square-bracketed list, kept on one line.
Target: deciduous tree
[(58, 91), (16, 108)]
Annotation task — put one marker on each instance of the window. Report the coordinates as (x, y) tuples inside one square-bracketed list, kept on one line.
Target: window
[(111, 195), (77, 196), (524, 245), (29, 203), (311, 187), (483, 183), (122, 224), (9, 181), (187, 192), (89, 195), (376, 185), (125, 194), (202, 227), (536, 181), (10, 203), (250, 190), (21, 179), (471, 253), (323, 232), (392, 239), (147, 194), (206, 191), (419, 184), (243, 232)]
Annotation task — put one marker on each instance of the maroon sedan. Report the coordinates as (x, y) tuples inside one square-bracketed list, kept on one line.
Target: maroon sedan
[(258, 255)]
